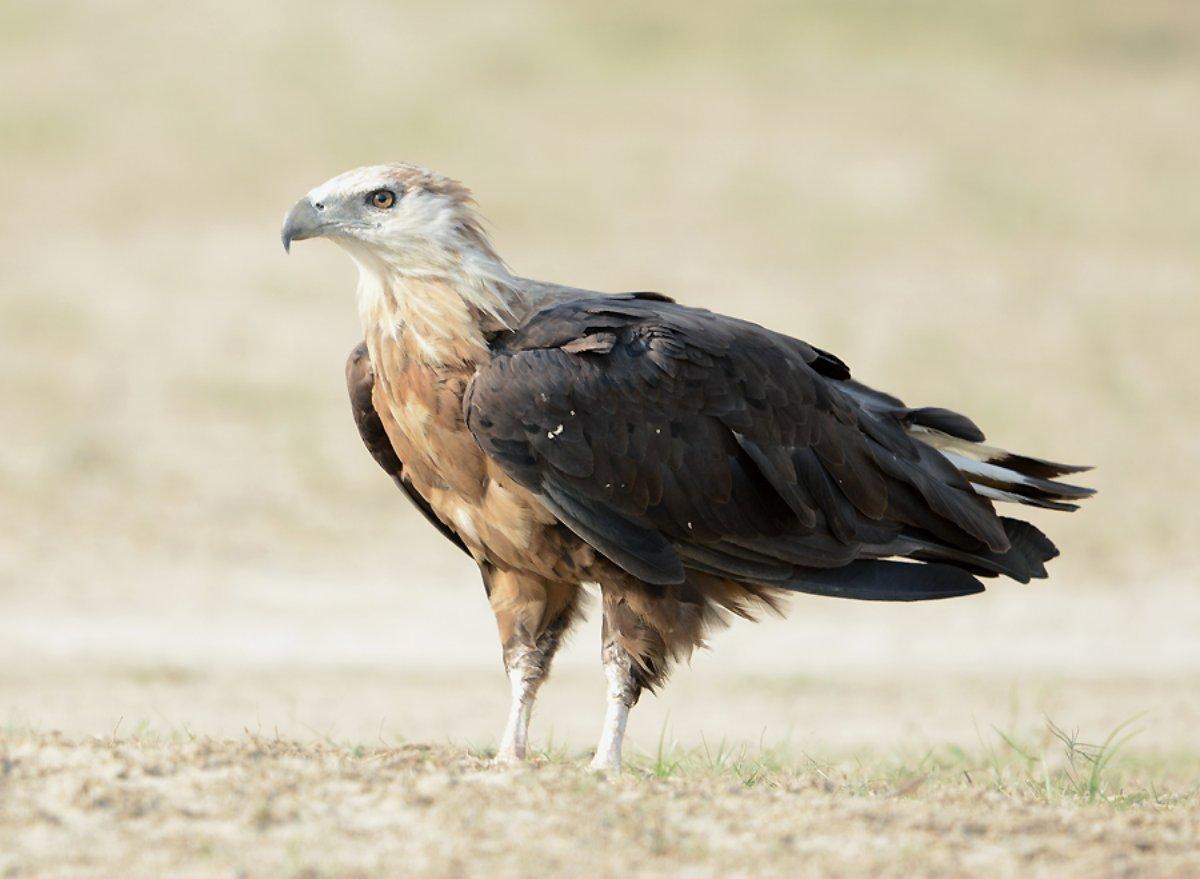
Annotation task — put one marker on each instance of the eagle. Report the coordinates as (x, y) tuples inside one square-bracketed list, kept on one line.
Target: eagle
[(687, 465)]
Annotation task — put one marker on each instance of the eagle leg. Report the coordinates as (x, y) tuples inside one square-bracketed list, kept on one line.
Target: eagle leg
[(532, 616), (622, 693), (634, 656)]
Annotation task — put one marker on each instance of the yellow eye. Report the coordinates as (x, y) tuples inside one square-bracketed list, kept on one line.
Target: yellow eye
[(382, 199)]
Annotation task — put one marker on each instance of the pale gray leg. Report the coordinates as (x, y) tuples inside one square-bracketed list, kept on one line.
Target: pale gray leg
[(621, 693)]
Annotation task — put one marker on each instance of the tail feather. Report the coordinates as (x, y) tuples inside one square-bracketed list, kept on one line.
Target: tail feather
[(1024, 560), (1031, 466), (1025, 487), (1029, 544), (882, 580), (998, 494), (1002, 475)]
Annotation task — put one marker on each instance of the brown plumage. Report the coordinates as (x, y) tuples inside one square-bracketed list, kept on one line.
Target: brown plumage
[(691, 464), (360, 383)]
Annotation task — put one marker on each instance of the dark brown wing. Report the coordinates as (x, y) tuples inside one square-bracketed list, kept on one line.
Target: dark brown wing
[(673, 438), (360, 382)]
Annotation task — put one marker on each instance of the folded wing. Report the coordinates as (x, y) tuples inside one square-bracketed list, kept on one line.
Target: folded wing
[(674, 439)]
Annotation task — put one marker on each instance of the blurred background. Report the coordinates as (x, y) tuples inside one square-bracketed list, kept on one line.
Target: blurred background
[(989, 206)]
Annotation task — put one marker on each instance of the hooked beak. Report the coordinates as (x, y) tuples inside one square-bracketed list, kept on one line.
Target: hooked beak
[(304, 220)]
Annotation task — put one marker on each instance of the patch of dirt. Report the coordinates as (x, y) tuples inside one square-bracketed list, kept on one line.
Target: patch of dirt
[(259, 807)]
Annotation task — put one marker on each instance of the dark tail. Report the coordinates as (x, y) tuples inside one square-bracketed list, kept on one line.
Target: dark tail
[(1024, 560), (1005, 476), (881, 580), (937, 570)]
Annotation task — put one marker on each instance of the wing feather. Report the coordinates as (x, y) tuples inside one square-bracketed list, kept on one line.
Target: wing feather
[(672, 438)]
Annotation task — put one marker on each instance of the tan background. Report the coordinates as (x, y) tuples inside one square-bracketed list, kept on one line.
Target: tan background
[(991, 206)]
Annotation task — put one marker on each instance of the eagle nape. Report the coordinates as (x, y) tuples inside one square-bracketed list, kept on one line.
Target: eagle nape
[(692, 465)]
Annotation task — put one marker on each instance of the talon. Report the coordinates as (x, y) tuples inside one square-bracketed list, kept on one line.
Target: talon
[(606, 768)]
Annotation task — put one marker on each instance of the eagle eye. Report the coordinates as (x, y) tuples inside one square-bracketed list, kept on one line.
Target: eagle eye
[(382, 199)]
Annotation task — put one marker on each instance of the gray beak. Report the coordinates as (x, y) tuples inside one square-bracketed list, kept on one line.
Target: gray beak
[(304, 220)]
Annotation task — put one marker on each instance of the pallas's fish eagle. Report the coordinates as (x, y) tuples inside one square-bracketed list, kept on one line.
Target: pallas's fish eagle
[(689, 463)]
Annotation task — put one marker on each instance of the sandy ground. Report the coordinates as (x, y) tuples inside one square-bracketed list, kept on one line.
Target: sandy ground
[(264, 807), (324, 729)]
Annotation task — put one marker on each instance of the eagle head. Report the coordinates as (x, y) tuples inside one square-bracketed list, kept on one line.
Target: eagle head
[(401, 215)]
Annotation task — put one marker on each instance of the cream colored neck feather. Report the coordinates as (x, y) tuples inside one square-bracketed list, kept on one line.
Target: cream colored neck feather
[(443, 309)]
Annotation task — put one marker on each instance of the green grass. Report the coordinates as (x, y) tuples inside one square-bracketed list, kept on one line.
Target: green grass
[(1049, 765)]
